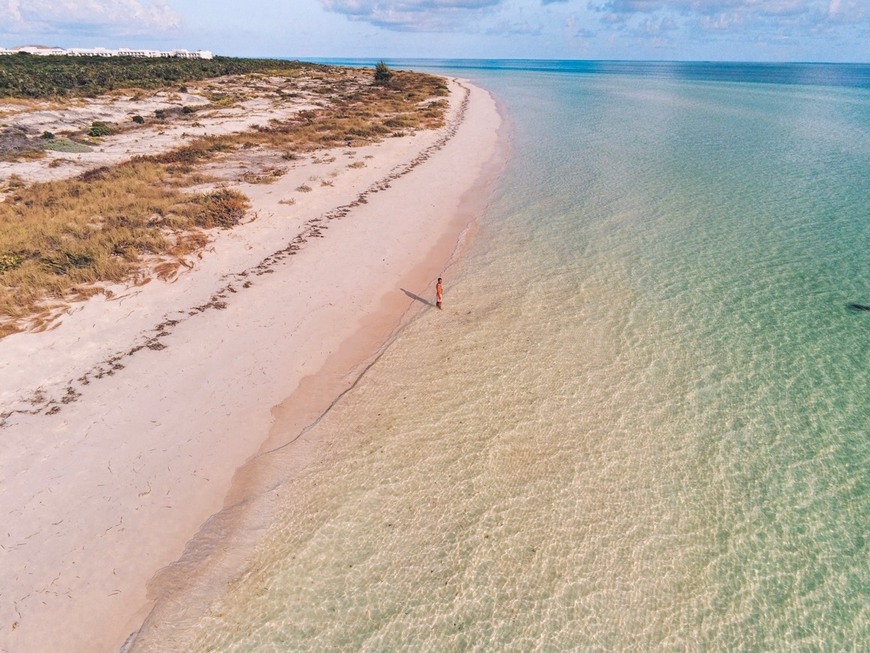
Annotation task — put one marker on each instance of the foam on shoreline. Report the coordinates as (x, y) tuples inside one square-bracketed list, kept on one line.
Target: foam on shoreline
[(104, 493)]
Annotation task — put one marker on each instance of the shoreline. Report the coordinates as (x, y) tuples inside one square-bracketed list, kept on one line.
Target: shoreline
[(182, 590), (115, 484)]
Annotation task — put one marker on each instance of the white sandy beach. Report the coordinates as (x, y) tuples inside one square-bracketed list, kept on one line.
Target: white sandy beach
[(130, 418)]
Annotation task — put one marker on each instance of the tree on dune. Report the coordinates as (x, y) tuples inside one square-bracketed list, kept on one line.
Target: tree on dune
[(382, 73)]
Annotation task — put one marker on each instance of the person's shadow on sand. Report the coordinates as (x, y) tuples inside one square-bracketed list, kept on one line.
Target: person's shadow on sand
[(417, 297)]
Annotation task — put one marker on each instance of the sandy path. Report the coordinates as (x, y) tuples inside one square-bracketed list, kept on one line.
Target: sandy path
[(135, 413)]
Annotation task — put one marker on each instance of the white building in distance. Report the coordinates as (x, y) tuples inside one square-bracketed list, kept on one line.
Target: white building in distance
[(45, 51)]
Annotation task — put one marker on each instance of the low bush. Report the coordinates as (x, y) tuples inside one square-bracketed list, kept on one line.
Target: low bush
[(99, 129), (65, 145), (221, 208), (23, 76), (383, 74)]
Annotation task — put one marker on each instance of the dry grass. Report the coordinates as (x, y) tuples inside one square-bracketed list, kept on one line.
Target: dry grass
[(64, 240), (57, 238), (358, 113), (267, 176)]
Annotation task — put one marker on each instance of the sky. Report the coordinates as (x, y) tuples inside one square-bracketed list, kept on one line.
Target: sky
[(707, 30)]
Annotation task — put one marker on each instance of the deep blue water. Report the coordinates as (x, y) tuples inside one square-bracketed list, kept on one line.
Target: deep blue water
[(819, 74)]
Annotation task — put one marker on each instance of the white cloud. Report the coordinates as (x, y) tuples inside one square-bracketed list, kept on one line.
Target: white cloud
[(793, 16), (847, 11), (515, 28), (413, 15), (87, 16)]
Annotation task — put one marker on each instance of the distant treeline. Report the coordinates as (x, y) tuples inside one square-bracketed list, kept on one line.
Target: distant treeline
[(27, 76)]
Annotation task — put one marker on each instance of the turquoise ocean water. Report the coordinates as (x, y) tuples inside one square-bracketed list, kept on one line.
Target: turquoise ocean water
[(642, 421)]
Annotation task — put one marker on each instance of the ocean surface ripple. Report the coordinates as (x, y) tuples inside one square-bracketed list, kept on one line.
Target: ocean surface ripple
[(641, 421)]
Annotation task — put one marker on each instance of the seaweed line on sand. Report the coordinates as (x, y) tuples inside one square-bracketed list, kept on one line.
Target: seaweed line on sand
[(151, 339)]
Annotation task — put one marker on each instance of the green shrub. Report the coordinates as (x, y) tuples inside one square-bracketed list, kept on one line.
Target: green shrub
[(382, 73), (47, 136), (44, 77), (65, 145), (99, 129)]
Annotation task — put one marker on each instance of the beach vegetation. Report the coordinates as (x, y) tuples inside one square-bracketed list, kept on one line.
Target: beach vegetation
[(64, 240), (56, 237), (99, 128), (66, 77), (221, 208), (267, 176), (65, 145), (383, 74), (32, 151), (222, 101), (15, 145)]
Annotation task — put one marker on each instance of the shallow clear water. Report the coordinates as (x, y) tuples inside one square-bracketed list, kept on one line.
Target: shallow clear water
[(642, 420)]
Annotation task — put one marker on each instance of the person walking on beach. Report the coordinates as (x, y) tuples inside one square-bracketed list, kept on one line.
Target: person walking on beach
[(439, 293)]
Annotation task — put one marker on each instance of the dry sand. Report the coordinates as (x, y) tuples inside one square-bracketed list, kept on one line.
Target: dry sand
[(131, 418), (74, 117)]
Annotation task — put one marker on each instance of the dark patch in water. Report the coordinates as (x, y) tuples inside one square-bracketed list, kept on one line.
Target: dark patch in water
[(857, 308)]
